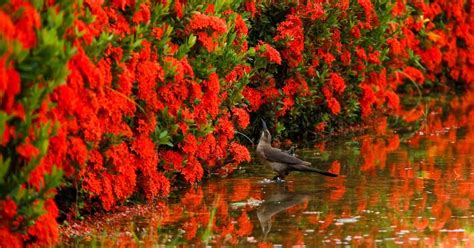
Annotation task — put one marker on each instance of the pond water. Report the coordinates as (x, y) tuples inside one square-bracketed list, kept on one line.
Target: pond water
[(409, 186)]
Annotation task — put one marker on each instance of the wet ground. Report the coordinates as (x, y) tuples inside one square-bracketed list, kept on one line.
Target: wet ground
[(409, 182)]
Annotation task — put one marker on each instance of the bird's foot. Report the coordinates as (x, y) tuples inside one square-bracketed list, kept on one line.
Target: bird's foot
[(277, 179)]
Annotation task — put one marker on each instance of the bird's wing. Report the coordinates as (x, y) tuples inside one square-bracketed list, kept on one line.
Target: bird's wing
[(276, 155)]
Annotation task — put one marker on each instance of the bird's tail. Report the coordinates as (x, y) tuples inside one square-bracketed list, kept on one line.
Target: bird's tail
[(307, 168), (325, 173)]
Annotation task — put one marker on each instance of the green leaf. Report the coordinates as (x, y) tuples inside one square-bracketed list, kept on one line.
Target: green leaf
[(4, 166)]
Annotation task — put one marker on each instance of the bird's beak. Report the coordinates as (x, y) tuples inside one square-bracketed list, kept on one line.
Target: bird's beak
[(264, 125)]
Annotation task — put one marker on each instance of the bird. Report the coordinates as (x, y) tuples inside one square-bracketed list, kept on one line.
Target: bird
[(280, 161)]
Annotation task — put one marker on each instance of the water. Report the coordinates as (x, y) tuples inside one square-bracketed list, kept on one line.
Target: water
[(409, 186)]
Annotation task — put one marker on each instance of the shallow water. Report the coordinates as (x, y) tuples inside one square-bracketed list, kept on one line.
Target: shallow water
[(410, 186)]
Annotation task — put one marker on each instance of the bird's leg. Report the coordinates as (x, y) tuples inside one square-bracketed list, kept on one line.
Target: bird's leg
[(280, 178)]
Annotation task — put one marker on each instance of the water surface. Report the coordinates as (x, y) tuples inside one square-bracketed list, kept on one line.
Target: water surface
[(412, 185)]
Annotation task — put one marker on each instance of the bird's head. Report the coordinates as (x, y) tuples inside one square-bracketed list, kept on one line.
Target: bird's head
[(266, 136)]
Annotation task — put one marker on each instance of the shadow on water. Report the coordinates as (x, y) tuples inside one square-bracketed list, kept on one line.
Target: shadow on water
[(410, 186)]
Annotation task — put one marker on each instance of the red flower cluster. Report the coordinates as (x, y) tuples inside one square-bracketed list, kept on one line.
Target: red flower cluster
[(208, 29), (268, 52), (443, 44), (290, 32)]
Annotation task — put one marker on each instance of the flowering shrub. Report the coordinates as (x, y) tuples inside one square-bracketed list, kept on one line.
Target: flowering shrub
[(335, 64), (153, 95), (33, 62), (130, 97), (441, 32)]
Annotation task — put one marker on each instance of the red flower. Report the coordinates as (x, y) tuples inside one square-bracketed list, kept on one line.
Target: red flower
[(189, 144), (225, 128), (399, 8), (45, 230), (333, 105), (250, 6), (374, 57), (320, 127), (178, 8), (368, 8), (343, 5), (78, 150), (291, 31), (337, 83), (239, 153), (393, 100), (355, 31), (157, 33), (367, 99), (146, 150), (312, 9), (27, 150), (142, 15), (9, 239), (172, 65), (243, 118), (328, 58), (154, 184), (237, 73), (414, 74), (288, 103), (173, 160), (291, 87), (431, 58), (10, 85), (346, 58), (208, 41), (240, 25), (206, 149), (200, 22), (254, 97), (192, 171), (268, 52), (360, 52), (28, 22), (7, 28), (7, 208)]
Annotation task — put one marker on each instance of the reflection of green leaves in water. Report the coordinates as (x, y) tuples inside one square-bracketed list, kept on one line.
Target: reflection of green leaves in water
[(207, 234)]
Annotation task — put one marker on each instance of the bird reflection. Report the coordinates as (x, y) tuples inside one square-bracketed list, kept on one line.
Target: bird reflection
[(276, 200)]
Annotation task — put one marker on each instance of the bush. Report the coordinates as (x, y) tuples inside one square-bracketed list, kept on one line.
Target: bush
[(128, 98), (336, 64), (153, 98), (442, 38), (34, 53)]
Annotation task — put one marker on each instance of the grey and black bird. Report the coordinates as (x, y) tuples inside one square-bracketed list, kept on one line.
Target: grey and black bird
[(280, 161)]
